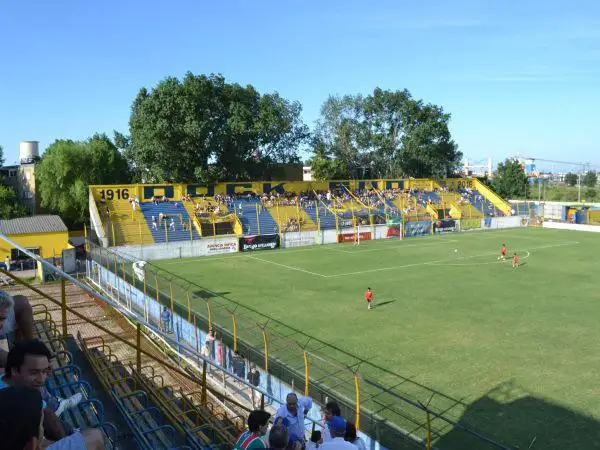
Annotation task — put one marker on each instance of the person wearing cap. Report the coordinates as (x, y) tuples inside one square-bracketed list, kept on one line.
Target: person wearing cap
[(337, 429), (331, 409), (258, 422), (16, 322), (293, 412)]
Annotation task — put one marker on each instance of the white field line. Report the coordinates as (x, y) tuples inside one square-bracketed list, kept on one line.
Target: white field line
[(396, 247), (287, 267), (439, 261)]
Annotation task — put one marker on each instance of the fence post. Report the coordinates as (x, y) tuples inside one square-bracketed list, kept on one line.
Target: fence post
[(203, 394), (209, 314), (266, 349), (234, 333), (357, 388), (145, 299), (138, 347), (189, 306), (306, 383), (63, 300), (113, 232), (257, 219), (428, 429), (172, 302)]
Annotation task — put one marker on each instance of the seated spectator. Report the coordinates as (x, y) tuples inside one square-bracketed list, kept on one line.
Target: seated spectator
[(294, 412), (337, 429), (16, 322), (21, 424), (28, 364), (351, 437), (258, 421)]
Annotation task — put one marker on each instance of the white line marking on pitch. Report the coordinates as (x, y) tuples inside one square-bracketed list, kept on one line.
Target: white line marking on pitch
[(398, 247), (286, 266), (426, 263)]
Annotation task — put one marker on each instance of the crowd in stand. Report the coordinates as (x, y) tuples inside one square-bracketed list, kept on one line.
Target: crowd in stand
[(30, 416), (288, 429)]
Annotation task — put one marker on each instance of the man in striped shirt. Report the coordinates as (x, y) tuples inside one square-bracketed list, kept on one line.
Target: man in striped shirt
[(258, 421)]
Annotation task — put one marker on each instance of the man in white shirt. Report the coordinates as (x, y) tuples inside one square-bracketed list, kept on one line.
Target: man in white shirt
[(337, 429), (293, 413)]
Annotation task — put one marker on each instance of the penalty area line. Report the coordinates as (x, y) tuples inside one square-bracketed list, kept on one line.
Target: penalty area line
[(286, 266)]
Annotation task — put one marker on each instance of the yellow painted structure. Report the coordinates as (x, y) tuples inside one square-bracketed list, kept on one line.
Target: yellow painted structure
[(49, 244)]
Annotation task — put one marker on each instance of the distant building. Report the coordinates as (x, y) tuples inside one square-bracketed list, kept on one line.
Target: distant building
[(46, 236), (22, 177), (307, 173)]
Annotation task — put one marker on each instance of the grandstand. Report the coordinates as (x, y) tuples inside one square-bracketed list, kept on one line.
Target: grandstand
[(242, 211)]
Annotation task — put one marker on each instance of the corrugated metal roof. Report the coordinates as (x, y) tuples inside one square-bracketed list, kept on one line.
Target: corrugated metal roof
[(33, 224)]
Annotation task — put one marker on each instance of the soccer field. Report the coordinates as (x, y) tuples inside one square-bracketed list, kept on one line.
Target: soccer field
[(516, 350)]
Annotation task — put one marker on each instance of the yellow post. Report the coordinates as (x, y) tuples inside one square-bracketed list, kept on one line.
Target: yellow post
[(266, 350), (214, 227), (337, 224), (257, 219), (234, 332), (138, 347), (189, 306), (85, 239), (428, 430), (191, 235), (357, 388), (112, 225), (166, 231), (278, 217), (63, 300), (352, 209), (298, 214), (171, 294), (140, 231), (209, 314), (145, 300), (306, 383)]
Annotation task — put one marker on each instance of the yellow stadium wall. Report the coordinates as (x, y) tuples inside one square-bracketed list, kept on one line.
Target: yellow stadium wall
[(176, 191), (50, 244)]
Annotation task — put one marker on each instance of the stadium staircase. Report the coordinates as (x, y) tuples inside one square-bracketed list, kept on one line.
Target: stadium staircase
[(326, 219), (163, 233), (255, 219), (129, 226), (282, 213), (497, 203)]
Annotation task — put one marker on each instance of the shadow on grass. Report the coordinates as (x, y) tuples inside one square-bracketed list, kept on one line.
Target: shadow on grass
[(379, 305), (521, 420), (203, 294)]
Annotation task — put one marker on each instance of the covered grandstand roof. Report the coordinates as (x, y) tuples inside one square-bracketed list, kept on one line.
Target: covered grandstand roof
[(33, 224)]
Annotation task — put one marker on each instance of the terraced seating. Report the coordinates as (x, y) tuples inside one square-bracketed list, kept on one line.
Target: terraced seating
[(164, 233), (141, 414), (284, 213), (324, 217), (66, 381), (254, 219), (129, 226)]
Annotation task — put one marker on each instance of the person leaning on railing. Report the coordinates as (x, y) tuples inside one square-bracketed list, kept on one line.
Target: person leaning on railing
[(16, 322)]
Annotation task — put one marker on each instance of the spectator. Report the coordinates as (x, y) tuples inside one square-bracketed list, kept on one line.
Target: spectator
[(254, 379), (210, 340), (332, 409), (28, 364), (165, 319), (278, 437), (21, 424), (337, 429), (258, 421), (16, 322), (351, 437), (294, 412), (7, 263), (316, 441), (172, 224)]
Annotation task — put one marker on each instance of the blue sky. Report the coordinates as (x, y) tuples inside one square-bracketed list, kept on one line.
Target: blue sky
[(518, 77)]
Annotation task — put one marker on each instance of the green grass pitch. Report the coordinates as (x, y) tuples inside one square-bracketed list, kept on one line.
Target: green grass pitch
[(517, 352)]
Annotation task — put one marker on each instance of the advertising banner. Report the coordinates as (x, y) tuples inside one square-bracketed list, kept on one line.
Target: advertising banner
[(220, 247), (470, 224), (299, 239), (351, 237), (417, 228), (394, 231), (444, 226), (262, 242)]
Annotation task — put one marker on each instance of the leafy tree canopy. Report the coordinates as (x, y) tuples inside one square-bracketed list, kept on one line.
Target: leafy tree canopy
[(68, 167), (510, 180), (590, 179), (385, 134), (571, 179), (203, 129)]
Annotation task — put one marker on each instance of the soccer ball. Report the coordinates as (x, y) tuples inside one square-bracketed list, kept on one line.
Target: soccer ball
[(455, 250), (499, 258)]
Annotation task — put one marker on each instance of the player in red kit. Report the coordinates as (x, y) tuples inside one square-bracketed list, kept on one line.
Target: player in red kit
[(515, 261), (369, 297), (503, 252)]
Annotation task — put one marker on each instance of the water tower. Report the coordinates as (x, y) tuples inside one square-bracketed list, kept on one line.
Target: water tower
[(29, 152)]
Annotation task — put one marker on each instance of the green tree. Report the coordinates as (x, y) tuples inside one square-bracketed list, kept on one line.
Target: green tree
[(389, 133), (323, 165), (590, 179), (571, 179), (202, 129), (510, 180), (68, 167), (10, 205)]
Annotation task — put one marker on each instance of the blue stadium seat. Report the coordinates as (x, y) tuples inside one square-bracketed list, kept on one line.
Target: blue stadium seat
[(250, 222), (179, 213)]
